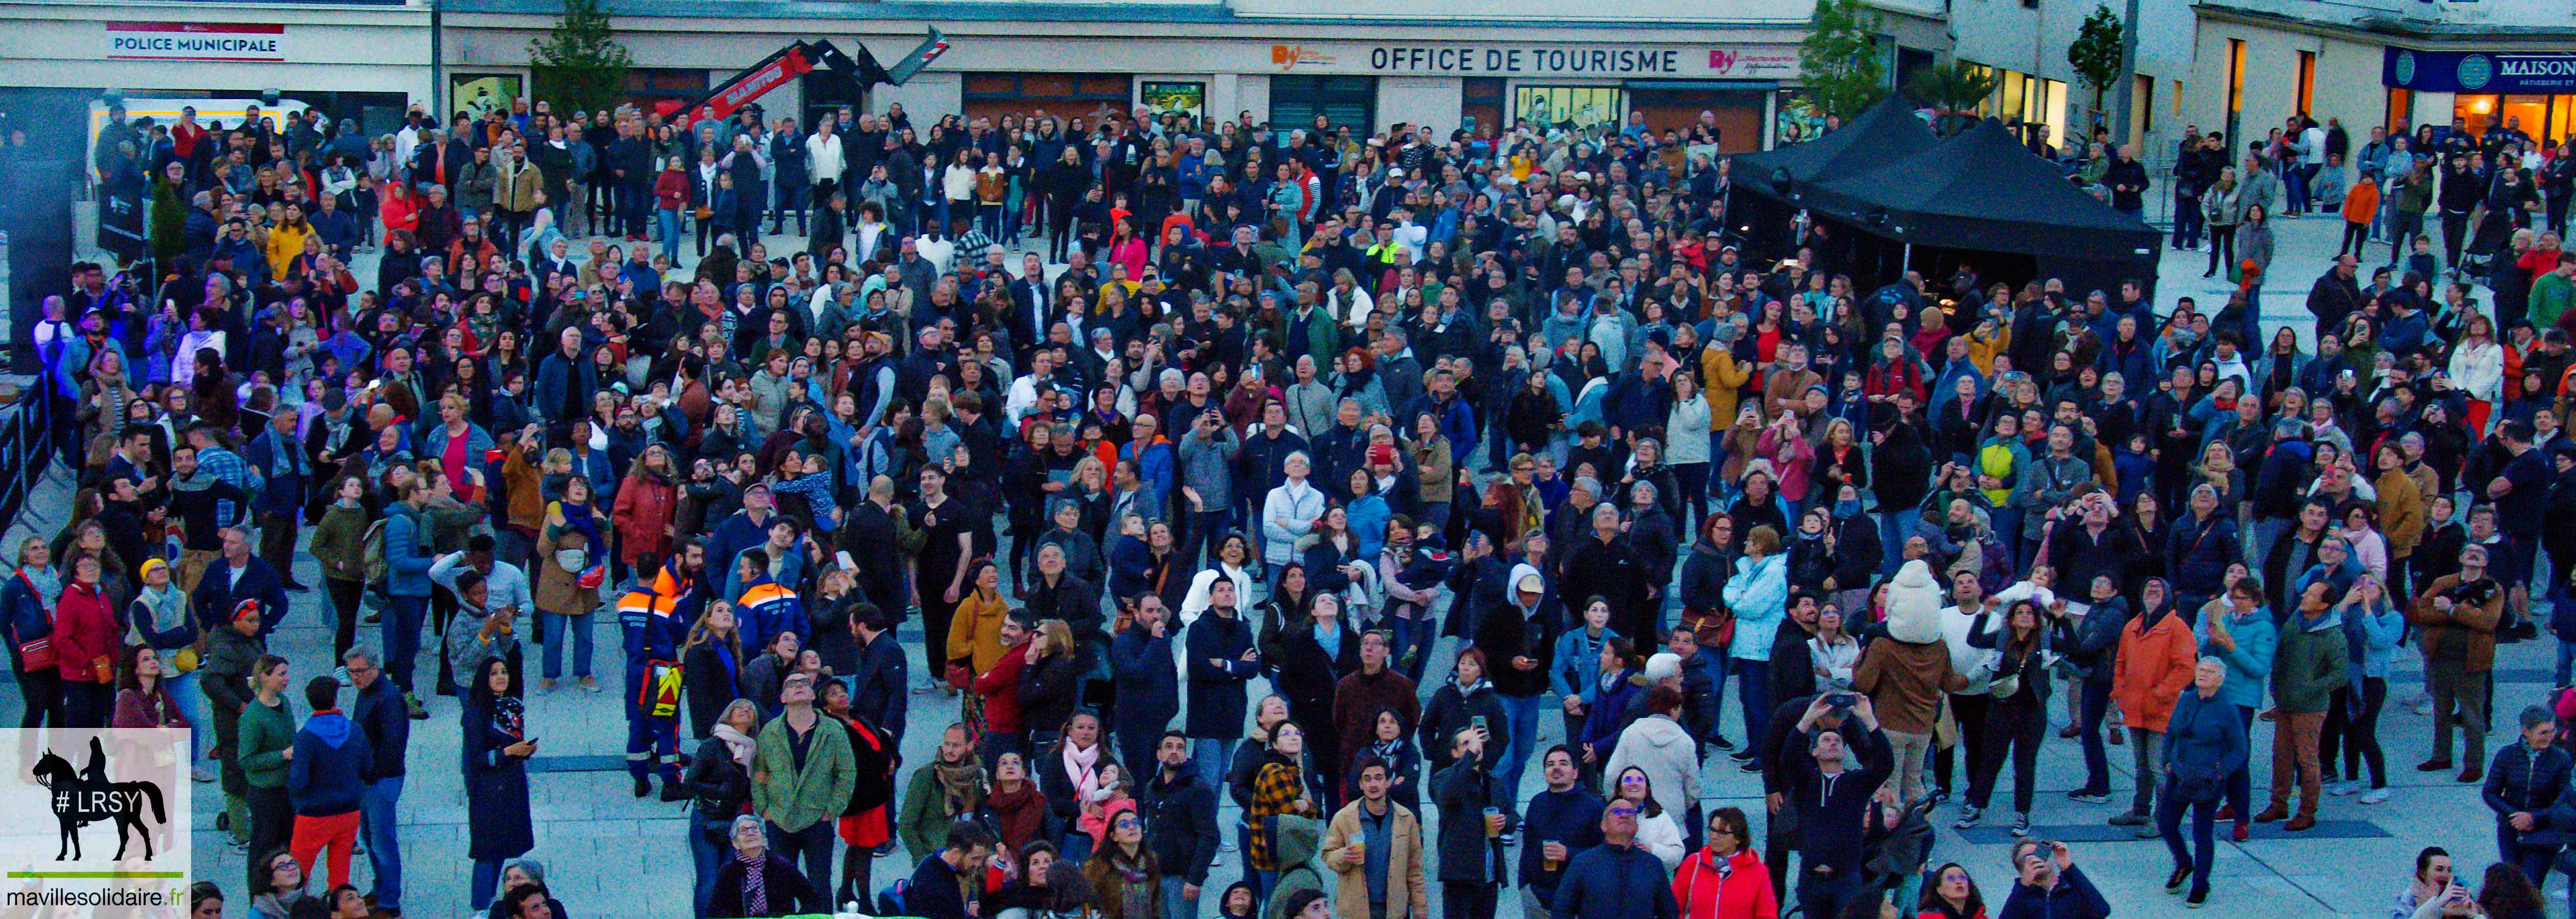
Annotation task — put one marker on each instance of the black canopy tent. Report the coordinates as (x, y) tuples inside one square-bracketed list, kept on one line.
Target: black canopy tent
[(1778, 179), (1982, 199)]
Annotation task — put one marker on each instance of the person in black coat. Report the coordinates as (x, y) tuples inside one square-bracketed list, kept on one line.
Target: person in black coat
[(719, 784), (1304, 669), (711, 669), (1149, 685), (878, 690), (1602, 563), (1471, 858), (1179, 807), (1220, 661), (496, 748), (756, 882), (1051, 682)]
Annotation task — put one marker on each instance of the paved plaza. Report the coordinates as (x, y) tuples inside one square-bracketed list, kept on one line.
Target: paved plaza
[(612, 856)]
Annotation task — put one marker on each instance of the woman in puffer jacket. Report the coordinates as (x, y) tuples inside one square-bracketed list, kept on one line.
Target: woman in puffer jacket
[(1724, 879)]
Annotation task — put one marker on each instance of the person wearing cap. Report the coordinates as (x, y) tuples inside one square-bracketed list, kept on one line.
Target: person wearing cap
[(159, 618), (2456, 616)]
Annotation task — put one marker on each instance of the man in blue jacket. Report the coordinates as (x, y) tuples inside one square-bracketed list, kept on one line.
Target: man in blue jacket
[(1149, 691), (935, 891), (1560, 821), (386, 728), (325, 778), (407, 562), (235, 576), (1619, 879)]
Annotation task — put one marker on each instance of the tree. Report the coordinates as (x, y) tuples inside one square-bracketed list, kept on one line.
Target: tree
[(579, 64), (2095, 55), (1838, 60), (1953, 91)]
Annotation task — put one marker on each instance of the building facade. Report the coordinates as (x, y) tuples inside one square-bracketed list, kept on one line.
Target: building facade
[(2373, 63), (1464, 64)]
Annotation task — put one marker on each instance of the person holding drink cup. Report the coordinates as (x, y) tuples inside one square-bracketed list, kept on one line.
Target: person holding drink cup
[(1558, 822), (1374, 845), (1471, 851)]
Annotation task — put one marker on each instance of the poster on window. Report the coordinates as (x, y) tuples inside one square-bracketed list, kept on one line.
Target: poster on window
[(475, 94), (1588, 110), (1799, 119), (1188, 100)]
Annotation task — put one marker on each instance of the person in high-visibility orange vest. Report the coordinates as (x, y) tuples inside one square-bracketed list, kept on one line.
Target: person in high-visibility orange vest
[(655, 617)]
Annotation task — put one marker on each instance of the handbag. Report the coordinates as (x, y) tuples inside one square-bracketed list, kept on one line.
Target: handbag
[(185, 660), (960, 677), (36, 654), (706, 213), (104, 671), (1712, 628)]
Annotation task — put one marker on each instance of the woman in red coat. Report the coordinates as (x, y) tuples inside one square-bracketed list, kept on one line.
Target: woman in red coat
[(1724, 879), (85, 645), (646, 502)]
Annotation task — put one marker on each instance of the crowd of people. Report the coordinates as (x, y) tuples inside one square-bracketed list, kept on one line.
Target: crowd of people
[(1131, 417)]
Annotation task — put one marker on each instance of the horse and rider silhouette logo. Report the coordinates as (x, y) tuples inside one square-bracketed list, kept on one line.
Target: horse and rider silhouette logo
[(85, 797)]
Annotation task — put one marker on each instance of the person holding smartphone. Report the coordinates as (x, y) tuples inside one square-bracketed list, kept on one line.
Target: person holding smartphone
[(2049, 884), (497, 748)]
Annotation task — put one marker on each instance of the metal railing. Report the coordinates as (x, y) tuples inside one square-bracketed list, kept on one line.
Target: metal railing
[(27, 446)]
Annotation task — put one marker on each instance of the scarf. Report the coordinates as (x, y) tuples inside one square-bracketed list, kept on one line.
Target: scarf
[(961, 785), (168, 608), (48, 585), (1386, 750), (739, 747), (755, 885), (1083, 767)]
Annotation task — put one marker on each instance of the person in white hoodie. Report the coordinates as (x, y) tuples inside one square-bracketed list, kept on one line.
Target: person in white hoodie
[(1657, 831), (1666, 752), (1967, 704)]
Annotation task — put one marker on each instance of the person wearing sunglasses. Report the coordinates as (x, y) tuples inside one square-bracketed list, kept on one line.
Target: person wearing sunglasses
[(1617, 879)]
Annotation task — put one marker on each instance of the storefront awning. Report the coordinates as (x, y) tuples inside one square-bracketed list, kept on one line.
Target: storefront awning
[(2479, 71)]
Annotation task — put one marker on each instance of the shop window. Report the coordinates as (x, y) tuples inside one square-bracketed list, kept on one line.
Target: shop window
[(656, 88), (1297, 99), (993, 95), (1480, 99), (1569, 107)]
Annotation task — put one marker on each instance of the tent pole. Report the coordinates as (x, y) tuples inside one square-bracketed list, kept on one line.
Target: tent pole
[(1909, 260)]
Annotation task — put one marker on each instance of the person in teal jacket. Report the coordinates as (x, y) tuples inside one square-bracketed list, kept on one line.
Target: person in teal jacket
[(2244, 639), (1759, 596)]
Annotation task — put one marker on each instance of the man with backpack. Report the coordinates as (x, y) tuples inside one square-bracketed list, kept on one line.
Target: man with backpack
[(403, 558)]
